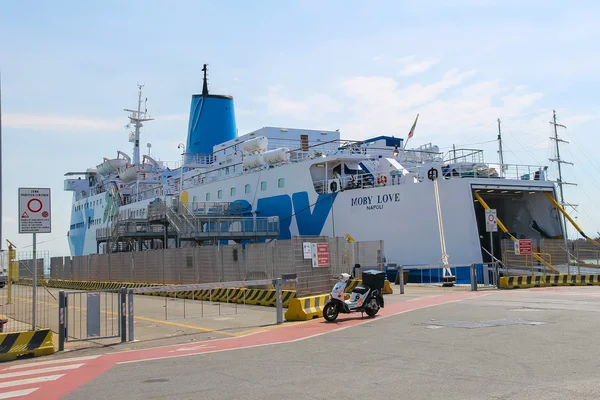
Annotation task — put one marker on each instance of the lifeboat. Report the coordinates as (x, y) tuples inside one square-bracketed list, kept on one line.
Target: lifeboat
[(110, 166)]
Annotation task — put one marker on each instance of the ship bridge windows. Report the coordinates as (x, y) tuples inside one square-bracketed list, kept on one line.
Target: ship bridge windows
[(207, 196), (220, 194), (281, 182), (263, 186), (247, 188), (232, 192)]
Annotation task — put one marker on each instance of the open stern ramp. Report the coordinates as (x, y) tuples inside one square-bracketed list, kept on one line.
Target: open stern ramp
[(523, 212)]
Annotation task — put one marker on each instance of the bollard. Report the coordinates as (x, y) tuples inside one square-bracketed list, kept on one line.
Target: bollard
[(130, 302), (123, 302), (497, 277), (278, 283), (473, 277), (61, 321), (401, 272)]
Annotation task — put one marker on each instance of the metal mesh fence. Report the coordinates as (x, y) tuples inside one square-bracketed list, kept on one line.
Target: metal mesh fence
[(552, 252), (17, 300), (206, 264)]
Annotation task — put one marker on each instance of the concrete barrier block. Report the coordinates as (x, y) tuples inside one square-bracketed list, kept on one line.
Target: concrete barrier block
[(306, 308), (26, 344)]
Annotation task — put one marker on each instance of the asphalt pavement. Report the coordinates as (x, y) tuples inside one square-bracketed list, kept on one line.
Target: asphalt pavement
[(521, 344)]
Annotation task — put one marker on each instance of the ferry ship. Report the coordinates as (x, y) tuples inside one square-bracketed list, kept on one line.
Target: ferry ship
[(427, 207)]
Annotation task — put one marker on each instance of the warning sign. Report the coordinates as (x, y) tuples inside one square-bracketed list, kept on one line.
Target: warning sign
[(491, 223), (320, 255), (34, 210), (522, 246)]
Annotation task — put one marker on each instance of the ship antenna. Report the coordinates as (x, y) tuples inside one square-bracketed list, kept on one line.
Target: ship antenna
[(560, 181), (205, 81), (137, 117), (500, 152)]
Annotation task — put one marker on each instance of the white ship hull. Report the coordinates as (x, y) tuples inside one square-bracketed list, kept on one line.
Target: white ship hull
[(403, 215)]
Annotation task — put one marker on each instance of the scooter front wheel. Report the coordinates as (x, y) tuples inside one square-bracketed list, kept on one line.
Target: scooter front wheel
[(330, 312)]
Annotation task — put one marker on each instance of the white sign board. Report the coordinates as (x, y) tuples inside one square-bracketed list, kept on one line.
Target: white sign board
[(491, 224), (34, 210), (307, 250)]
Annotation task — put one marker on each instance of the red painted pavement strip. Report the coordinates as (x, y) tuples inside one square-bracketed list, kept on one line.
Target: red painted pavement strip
[(93, 368)]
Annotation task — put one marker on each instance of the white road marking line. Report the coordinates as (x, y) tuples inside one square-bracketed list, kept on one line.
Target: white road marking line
[(17, 393), (203, 346), (63, 361), (40, 371), (29, 381)]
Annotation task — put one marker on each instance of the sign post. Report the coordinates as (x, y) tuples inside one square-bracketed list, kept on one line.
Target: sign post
[(491, 226), (34, 218)]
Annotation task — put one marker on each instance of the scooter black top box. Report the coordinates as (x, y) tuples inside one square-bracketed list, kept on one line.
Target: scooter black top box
[(373, 278)]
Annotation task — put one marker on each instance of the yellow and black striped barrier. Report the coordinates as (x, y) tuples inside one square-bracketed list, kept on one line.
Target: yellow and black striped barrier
[(26, 344), (529, 281), (261, 297), (306, 308)]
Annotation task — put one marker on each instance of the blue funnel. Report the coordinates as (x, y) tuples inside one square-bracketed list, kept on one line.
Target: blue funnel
[(212, 121)]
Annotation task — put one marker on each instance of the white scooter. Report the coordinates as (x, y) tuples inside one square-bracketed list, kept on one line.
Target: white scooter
[(365, 298)]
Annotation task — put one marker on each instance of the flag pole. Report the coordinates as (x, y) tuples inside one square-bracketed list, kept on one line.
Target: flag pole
[(412, 131)]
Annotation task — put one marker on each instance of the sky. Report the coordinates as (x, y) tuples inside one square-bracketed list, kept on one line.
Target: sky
[(69, 68)]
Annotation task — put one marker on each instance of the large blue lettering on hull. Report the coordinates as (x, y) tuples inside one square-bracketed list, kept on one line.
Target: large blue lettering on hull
[(311, 224), (277, 206)]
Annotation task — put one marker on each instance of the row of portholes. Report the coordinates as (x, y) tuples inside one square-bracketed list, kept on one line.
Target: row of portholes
[(88, 205), (247, 190)]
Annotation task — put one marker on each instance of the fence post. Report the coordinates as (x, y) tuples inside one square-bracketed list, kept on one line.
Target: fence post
[(130, 301), (61, 320), (278, 290), (401, 278), (473, 277), (123, 298)]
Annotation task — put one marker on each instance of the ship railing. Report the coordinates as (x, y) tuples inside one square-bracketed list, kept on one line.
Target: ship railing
[(492, 171), (216, 208), (149, 193), (464, 156), (387, 177), (245, 225), (187, 215), (90, 192)]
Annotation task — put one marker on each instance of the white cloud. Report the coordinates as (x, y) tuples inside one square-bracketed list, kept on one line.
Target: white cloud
[(59, 123), (172, 117), (455, 107), (312, 106), (412, 66)]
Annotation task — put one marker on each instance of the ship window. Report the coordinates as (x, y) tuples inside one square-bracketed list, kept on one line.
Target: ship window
[(207, 196), (232, 191), (263, 185), (247, 188), (194, 199), (281, 182), (219, 194)]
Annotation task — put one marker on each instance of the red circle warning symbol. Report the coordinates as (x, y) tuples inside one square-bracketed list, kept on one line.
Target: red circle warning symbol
[(34, 205), (45, 214), (491, 218)]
